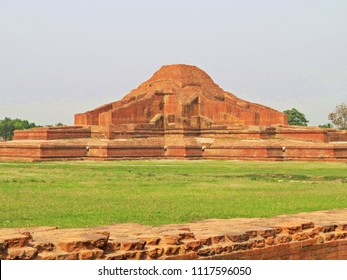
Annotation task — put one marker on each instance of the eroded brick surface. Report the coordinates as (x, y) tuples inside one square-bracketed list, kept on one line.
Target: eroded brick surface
[(315, 235)]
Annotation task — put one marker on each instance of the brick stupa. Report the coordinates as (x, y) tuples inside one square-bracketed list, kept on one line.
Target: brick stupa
[(181, 96), (178, 113)]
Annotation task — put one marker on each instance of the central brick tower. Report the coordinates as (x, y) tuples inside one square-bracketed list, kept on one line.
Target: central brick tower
[(180, 96)]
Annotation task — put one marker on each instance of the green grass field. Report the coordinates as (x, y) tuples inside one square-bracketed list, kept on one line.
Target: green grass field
[(86, 194)]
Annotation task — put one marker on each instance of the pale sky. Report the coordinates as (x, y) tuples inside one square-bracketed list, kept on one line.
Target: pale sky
[(58, 58)]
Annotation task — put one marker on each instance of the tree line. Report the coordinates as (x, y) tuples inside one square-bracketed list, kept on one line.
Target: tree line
[(8, 126), (338, 117)]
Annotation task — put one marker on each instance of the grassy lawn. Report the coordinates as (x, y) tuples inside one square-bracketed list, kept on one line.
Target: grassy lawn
[(85, 194)]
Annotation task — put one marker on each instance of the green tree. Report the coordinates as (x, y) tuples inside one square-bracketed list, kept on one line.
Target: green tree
[(295, 117), (6, 129), (8, 126), (327, 125), (339, 116)]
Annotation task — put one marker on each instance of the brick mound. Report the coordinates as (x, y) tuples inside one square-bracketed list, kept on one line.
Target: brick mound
[(315, 235), (180, 95)]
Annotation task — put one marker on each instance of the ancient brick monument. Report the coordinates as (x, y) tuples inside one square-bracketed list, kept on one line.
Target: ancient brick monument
[(178, 113), (180, 96), (181, 113)]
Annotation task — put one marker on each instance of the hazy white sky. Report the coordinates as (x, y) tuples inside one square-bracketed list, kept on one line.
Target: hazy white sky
[(58, 58)]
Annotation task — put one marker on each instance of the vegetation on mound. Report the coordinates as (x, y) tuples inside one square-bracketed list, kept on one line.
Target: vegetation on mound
[(86, 194)]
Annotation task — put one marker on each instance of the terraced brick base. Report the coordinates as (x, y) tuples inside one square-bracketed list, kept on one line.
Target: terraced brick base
[(315, 235)]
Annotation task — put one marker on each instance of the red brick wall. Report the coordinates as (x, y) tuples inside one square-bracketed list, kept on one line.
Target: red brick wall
[(142, 148), (51, 133), (290, 237)]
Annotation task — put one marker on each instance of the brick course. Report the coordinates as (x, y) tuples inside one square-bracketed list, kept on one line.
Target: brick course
[(316, 235)]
